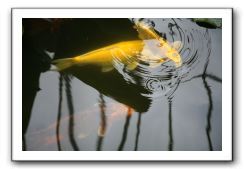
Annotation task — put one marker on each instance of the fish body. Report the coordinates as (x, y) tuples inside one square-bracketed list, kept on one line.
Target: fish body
[(128, 52), (125, 52), (103, 57)]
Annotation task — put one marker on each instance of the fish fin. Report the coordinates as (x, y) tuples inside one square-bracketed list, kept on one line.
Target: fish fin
[(132, 65), (107, 69), (176, 45), (154, 64), (62, 64)]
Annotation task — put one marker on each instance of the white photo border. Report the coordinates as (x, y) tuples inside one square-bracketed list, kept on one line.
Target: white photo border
[(224, 155)]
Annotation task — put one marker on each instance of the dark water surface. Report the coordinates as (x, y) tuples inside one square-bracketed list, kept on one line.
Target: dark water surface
[(165, 108)]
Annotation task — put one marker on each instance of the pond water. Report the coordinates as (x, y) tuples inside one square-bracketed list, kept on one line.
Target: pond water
[(162, 108)]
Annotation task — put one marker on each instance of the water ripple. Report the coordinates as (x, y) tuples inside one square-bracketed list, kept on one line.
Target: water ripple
[(165, 78)]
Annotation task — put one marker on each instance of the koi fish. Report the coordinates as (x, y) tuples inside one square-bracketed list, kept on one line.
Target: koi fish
[(103, 57), (151, 46), (114, 112)]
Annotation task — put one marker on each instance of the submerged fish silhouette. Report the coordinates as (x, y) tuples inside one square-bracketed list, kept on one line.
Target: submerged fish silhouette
[(127, 52), (114, 85)]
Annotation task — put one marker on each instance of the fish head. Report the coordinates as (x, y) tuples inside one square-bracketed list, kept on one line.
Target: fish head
[(170, 51), (158, 51), (175, 57)]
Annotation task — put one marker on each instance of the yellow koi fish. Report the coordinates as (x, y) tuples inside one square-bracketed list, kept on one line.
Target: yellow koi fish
[(152, 48), (103, 57)]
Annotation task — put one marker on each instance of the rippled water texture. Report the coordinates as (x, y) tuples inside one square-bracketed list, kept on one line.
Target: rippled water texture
[(150, 108)]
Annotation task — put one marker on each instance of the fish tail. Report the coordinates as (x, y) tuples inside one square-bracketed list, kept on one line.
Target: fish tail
[(62, 64)]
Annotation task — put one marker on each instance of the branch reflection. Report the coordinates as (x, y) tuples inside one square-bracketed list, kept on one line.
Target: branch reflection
[(171, 141), (74, 145), (103, 123), (126, 127), (59, 111), (209, 114), (138, 131)]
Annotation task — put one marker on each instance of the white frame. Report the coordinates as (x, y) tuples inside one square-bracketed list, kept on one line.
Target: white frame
[(19, 155)]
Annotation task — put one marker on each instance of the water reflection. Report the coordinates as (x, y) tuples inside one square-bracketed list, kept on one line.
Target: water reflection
[(138, 126), (125, 130), (209, 93), (209, 114), (137, 90), (123, 92), (210, 107), (204, 75), (35, 40), (103, 123), (61, 79), (171, 141), (67, 80)]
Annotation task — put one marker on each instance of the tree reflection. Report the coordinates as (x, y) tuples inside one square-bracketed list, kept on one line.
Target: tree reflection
[(209, 114), (209, 93), (210, 107), (204, 77), (126, 127), (171, 141), (103, 123), (74, 145), (138, 131), (59, 111)]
